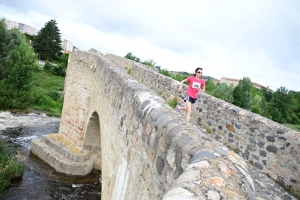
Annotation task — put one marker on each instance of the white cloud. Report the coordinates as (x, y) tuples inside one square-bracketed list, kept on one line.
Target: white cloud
[(256, 39)]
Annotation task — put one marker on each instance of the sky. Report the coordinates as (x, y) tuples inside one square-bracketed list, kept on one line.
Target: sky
[(259, 39)]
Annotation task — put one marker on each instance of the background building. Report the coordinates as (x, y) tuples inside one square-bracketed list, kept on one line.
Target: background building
[(67, 45), (235, 82), (23, 28)]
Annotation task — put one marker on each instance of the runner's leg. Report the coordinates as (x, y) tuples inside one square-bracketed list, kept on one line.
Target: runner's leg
[(188, 110)]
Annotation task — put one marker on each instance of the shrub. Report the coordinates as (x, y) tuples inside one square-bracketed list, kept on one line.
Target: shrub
[(59, 70), (9, 167), (173, 103), (54, 95), (39, 99), (48, 67)]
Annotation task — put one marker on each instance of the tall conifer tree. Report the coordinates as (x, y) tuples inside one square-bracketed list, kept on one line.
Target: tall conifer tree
[(47, 43)]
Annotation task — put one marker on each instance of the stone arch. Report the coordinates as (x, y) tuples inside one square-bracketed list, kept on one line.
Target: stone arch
[(92, 139)]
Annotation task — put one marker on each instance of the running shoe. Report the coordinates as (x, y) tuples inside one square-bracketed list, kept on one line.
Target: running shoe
[(177, 108)]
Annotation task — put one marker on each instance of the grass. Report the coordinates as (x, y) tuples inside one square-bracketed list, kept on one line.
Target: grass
[(46, 93), (10, 167), (295, 127), (208, 130), (236, 150), (173, 103)]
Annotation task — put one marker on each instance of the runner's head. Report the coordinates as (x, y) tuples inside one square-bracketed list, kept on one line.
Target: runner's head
[(198, 70)]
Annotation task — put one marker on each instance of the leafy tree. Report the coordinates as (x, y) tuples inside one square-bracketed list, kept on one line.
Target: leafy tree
[(149, 62), (16, 87), (296, 103), (47, 42), (238, 95), (276, 115), (29, 37), (132, 57), (267, 94), (209, 86), (280, 106), (57, 69), (256, 102), (242, 93), (165, 72), (63, 59), (179, 76), (224, 92), (9, 39)]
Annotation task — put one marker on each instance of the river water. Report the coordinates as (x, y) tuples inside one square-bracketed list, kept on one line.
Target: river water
[(40, 181)]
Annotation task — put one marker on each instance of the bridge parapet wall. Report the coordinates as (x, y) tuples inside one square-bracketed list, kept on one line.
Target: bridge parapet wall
[(268, 145)]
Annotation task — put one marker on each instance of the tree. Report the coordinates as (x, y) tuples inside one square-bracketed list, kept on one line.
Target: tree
[(224, 92), (242, 93), (267, 94), (149, 62), (29, 38), (179, 76), (47, 42), (165, 72), (238, 95), (296, 104), (132, 57), (209, 86), (16, 87), (9, 39), (280, 106), (58, 69), (256, 102)]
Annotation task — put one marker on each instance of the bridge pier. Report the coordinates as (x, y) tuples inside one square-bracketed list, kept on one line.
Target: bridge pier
[(62, 155)]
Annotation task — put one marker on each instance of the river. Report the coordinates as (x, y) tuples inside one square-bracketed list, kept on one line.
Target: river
[(40, 181)]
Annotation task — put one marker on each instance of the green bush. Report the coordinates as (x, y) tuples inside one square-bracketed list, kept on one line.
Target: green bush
[(55, 69), (59, 70), (39, 99), (54, 95), (10, 98), (48, 67), (50, 103), (9, 167), (173, 103)]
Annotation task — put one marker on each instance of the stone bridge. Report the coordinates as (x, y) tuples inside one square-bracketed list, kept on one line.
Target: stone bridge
[(116, 119)]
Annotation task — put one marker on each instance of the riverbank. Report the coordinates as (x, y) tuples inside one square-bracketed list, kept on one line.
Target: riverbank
[(39, 180)]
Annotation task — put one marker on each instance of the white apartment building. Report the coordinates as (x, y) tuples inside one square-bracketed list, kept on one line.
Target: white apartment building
[(23, 28), (67, 45), (27, 29), (11, 24)]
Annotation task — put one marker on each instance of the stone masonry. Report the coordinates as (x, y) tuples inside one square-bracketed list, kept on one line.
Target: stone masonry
[(145, 149), (271, 147)]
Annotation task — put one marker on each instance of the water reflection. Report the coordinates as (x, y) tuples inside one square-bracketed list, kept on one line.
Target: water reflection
[(40, 181)]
